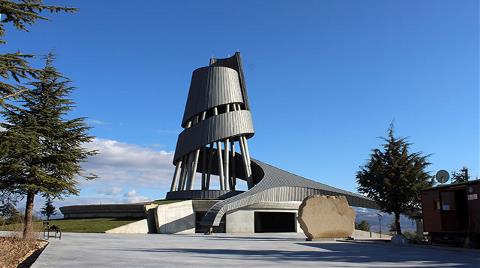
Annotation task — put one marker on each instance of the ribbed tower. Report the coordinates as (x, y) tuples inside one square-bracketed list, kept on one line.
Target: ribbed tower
[(217, 123)]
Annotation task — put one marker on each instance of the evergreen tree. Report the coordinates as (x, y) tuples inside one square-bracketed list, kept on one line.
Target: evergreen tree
[(363, 225), (461, 176), (15, 66), (8, 212), (40, 149), (392, 227), (393, 177), (48, 209)]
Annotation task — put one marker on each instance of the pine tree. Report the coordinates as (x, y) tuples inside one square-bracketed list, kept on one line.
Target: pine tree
[(15, 66), (461, 176), (40, 149), (363, 225), (9, 213), (48, 209), (393, 177)]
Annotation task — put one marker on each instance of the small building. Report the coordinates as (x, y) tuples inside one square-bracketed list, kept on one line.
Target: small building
[(451, 212)]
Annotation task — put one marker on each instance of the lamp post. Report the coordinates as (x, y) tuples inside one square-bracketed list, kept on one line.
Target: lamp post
[(380, 223)]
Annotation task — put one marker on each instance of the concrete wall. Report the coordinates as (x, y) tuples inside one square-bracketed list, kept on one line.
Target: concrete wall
[(359, 234), (138, 227), (291, 206), (240, 221), (243, 220), (105, 211), (175, 218), (179, 218)]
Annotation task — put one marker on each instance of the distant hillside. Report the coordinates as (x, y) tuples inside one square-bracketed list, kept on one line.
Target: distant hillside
[(370, 215)]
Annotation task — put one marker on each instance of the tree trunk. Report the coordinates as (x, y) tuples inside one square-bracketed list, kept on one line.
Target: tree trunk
[(397, 223), (28, 224)]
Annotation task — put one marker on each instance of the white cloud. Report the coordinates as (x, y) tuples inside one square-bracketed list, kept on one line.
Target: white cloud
[(120, 166), (115, 190), (95, 122), (121, 163), (133, 197)]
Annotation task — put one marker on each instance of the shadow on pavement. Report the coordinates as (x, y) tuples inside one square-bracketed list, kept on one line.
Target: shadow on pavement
[(364, 253)]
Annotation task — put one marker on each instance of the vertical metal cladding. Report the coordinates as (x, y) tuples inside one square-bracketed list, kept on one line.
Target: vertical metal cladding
[(215, 118), (211, 87), (235, 62), (215, 128)]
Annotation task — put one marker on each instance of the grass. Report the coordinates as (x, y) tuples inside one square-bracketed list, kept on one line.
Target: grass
[(18, 227), (97, 225)]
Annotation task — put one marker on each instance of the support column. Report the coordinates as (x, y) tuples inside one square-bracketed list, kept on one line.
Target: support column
[(245, 156), (204, 166), (220, 165), (211, 152), (175, 176), (248, 153), (183, 166), (193, 171), (226, 169), (233, 179), (220, 158), (186, 176)]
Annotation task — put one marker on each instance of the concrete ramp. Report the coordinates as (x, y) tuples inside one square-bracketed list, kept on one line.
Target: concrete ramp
[(138, 227), (175, 218)]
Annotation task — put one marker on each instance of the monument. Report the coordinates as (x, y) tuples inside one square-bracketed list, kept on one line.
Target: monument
[(217, 124), (212, 159)]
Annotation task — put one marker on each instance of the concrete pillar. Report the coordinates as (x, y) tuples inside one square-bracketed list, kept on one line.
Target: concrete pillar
[(233, 176), (220, 158), (240, 221), (183, 166), (193, 171), (204, 167), (211, 152), (226, 179), (175, 176), (244, 151), (220, 165)]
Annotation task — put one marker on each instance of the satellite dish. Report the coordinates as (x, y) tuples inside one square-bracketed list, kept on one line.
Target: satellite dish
[(442, 176)]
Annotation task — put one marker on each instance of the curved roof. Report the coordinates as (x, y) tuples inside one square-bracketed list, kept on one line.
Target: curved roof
[(276, 185)]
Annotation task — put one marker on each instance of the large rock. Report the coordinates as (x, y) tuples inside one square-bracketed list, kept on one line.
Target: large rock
[(323, 216)]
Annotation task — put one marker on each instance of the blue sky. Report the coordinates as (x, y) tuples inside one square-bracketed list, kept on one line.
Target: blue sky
[(325, 79)]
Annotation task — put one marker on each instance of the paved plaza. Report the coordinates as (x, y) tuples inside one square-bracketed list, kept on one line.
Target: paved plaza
[(223, 250)]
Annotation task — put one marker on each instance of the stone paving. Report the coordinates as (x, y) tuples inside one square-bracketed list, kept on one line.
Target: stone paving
[(226, 250)]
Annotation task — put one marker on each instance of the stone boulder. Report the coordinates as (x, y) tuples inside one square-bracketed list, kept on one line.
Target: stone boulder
[(322, 216)]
